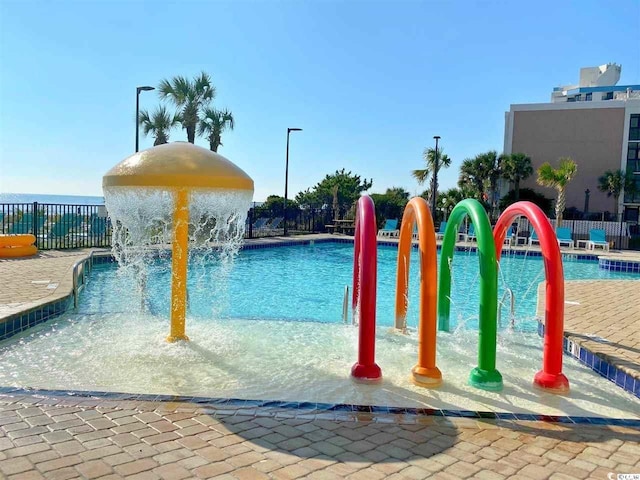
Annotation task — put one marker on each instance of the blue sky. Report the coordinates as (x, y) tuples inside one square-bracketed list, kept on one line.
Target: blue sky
[(370, 83)]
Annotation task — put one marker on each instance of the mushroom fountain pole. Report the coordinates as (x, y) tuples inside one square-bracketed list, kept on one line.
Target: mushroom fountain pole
[(182, 169)]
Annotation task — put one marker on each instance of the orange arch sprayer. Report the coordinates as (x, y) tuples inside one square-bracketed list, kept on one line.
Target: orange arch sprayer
[(425, 372)]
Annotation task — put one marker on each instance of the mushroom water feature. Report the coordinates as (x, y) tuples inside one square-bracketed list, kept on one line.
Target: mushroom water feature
[(178, 194)]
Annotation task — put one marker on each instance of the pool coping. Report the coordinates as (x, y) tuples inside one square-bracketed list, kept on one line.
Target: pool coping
[(571, 346)]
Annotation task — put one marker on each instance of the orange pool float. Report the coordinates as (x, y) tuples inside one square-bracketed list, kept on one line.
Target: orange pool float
[(15, 246)]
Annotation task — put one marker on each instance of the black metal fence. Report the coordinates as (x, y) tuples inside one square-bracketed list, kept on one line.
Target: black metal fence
[(57, 226), (265, 221)]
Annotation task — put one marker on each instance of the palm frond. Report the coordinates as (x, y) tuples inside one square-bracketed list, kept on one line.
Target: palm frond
[(421, 175)]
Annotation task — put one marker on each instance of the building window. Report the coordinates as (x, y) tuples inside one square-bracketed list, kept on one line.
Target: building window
[(607, 96), (588, 97), (578, 97), (634, 128), (631, 215), (571, 99), (634, 198)]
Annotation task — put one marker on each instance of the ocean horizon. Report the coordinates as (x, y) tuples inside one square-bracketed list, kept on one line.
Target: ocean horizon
[(46, 198)]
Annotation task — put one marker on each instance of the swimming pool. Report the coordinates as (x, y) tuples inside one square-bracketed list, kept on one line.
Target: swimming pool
[(269, 329), (306, 283)]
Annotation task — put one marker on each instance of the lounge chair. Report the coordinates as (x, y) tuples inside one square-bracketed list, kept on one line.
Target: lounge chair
[(25, 224), (390, 228), (275, 223), (509, 237), (597, 238), (563, 235), (440, 232), (64, 225), (534, 238), (97, 226), (260, 223), (471, 234)]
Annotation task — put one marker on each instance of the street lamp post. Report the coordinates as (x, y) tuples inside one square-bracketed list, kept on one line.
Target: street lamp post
[(286, 178), (138, 90), (434, 188)]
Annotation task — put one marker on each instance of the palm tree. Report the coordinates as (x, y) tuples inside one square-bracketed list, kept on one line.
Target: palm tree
[(449, 199), (491, 165), (558, 178), (429, 156), (515, 167), (613, 183), (472, 176), (213, 123), (190, 97), (159, 124)]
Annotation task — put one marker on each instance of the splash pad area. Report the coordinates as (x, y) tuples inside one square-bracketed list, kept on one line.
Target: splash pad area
[(119, 343), (266, 345)]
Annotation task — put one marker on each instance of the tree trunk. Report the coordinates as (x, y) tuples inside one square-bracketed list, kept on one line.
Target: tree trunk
[(214, 142), (615, 206), (161, 139), (516, 188), (191, 133), (560, 204)]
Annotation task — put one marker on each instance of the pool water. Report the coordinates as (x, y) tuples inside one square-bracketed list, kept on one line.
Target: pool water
[(307, 283), (270, 329)]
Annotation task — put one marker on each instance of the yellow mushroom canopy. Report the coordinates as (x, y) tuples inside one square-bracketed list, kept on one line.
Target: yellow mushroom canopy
[(178, 165)]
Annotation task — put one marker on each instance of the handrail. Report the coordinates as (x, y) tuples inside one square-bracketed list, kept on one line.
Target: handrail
[(512, 318), (345, 306), (76, 266)]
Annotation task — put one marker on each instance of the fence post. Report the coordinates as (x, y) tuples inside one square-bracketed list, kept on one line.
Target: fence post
[(34, 220), (620, 231), (251, 222)]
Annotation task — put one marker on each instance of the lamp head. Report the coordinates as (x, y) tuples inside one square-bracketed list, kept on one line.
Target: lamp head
[(437, 137), (294, 129), (145, 88)]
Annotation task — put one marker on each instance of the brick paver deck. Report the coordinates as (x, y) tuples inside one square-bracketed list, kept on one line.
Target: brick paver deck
[(604, 317), (28, 282), (67, 438)]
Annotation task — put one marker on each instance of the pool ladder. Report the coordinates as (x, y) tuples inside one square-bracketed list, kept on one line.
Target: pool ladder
[(345, 307), (512, 310)]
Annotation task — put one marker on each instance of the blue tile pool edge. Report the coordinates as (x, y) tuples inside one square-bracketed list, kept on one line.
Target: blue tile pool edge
[(19, 322), (598, 363), (312, 410), (629, 266)]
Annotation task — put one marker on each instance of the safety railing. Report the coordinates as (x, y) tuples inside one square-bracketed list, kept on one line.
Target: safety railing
[(345, 306), (57, 226), (512, 310)]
